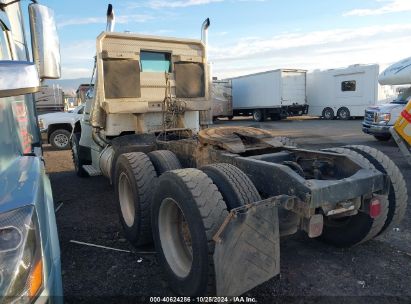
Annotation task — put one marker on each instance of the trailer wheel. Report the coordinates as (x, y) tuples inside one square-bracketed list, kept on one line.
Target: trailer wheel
[(258, 115), (328, 113), (164, 160), (77, 161), (352, 230), (134, 182), (235, 186), (398, 196), (187, 212), (343, 113), (286, 141)]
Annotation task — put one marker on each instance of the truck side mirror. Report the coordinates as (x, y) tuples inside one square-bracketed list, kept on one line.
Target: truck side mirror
[(45, 41), (18, 78)]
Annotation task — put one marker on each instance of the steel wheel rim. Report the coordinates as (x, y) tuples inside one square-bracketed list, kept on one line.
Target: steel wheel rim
[(327, 114), (61, 140), (175, 238), (126, 199), (343, 114)]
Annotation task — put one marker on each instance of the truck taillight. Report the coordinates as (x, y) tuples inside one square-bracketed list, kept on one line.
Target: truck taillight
[(375, 208)]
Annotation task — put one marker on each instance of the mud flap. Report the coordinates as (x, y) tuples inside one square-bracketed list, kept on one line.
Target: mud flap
[(247, 251)]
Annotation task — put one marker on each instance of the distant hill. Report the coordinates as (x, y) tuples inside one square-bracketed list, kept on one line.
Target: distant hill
[(69, 86)]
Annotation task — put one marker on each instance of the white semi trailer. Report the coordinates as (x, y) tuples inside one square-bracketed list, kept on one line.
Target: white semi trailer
[(345, 92), (276, 94)]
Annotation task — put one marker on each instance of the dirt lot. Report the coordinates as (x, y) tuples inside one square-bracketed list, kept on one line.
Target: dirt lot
[(378, 271)]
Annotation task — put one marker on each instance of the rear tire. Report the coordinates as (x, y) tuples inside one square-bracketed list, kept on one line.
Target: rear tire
[(235, 186), (356, 229), (328, 113), (60, 139), (343, 113), (77, 161), (398, 195), (187, 212), (134, 183), (164, 160), (258, 115)]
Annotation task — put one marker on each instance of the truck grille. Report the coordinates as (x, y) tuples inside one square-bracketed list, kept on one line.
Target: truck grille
[(370, 117)]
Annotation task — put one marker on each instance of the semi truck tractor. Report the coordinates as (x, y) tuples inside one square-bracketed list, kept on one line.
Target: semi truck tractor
[(29, 247), (215, 201)]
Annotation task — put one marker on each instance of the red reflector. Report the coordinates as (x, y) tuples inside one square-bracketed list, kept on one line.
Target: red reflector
[(375, 208)]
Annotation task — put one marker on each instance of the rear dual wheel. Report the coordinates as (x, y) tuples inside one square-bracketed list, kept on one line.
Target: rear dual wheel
[(352, 230), (134, 182), (356, 229), (398, 196), (187, 212)]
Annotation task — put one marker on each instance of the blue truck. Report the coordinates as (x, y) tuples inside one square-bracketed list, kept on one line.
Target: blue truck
[(30, 270)]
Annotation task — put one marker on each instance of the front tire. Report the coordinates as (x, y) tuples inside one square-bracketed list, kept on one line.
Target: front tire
[(60, 139), (187, 212), (135, 180)]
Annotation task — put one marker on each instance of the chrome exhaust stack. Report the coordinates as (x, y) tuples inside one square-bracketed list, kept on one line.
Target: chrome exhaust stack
[(111, 20), (204, 34)]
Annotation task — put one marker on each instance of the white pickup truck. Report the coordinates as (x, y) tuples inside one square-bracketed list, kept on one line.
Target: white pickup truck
[(56, 127), (379, 119)]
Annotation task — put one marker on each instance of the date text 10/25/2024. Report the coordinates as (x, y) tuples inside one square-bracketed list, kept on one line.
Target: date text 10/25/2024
[(202, 300)]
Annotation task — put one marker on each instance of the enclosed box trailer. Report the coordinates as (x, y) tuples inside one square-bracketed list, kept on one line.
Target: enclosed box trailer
[(276, 94), (222, 98), (49, 99), (344, 92)]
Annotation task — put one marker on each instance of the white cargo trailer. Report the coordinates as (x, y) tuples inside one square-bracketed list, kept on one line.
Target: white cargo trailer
[(344, 92), (276, 94), (222, 98)]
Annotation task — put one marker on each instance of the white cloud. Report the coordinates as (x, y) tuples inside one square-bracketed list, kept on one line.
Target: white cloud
[(73, 73), (158, 4), (174, 4), (120, 19), (77, 59), (313, 50), (390, 6)]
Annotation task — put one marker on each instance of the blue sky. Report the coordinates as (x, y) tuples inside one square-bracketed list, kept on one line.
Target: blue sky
[(248, 35)]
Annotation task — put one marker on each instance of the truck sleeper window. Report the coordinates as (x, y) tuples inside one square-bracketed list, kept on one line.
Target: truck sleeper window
[(349, 86), (155, 62)]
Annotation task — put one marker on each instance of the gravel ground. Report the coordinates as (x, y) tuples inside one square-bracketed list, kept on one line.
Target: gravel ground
[(311, 272)]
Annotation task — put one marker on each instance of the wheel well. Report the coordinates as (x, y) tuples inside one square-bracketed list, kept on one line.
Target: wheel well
[(54, 127), (77, 127)]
